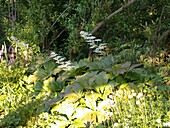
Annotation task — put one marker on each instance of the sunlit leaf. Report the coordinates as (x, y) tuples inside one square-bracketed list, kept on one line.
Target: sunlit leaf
[(83, 113), (77, 123), (91, 100), (122, 86), (52, 85), (71, 97), (32, 79)]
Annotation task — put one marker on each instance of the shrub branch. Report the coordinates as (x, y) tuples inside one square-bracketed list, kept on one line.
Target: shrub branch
[(111, 15)]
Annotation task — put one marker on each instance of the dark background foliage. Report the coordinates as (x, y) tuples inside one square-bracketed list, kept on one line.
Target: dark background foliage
[(56, 25)]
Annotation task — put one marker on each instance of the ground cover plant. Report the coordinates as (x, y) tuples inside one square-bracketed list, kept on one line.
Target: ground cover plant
[(84, 64)]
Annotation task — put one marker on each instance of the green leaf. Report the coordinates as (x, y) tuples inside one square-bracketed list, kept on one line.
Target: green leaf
[(101, 78), (91, 100), (38, 86), (126, 65), (60, 124), (52, 85), (122, 86), (32, 79), (72, 97), (83, 113), (77, 123), (40, 73), (49, 65), (75, 87), (134, 66), (133, 75), (121, 71), (66, 109), (83, 80)]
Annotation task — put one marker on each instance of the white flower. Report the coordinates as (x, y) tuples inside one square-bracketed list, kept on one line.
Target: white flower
[(97, 40), (91, 38), (137, 102), (130, 96), (84, 33), (166, 124), (116, 124), (111, 96), (53, 54), (139, 95), (158, 121), (132, 90), (133, 94)]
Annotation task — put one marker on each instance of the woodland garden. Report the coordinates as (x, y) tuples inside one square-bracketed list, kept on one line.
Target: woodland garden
[(84, 63)]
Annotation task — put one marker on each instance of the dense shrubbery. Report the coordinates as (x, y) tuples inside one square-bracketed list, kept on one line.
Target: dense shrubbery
[(122, 80)]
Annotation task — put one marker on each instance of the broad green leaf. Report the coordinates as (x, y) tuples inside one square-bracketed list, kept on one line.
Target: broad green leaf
[(52, 85), (82, 113), (40, 73), (83, 80), (121, 71), (38, 86), (107, 91), (60, 124), (71, 97), (77, 123), (91, 100), (66, 108), (75, 87), (122, 86), (101, 78), (56, 70), (108, 61), (134, 66), (32, 79), (91, 80), (49, 65), (126, 65)]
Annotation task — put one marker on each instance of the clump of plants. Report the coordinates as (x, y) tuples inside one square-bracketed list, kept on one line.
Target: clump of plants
[(97, 92)]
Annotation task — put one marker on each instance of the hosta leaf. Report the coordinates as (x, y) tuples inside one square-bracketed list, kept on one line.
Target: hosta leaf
[(75, 87), (56, 70), (134, 66), (122, 86), (77, 123), (49, 65), (72, 97), (38, 86), (40, 73), (91, 100), (32, 79), (101, 78), (83, 80), (60, 124), (108, 61), (126, 65), (83, 113), (121, 71), (91, 80), (52, 85), (66, 109)]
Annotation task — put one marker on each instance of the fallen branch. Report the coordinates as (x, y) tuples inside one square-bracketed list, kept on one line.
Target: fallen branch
[(111, 15)]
